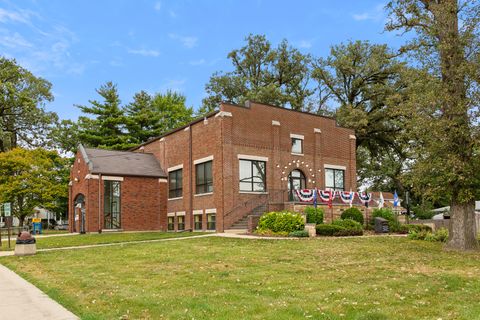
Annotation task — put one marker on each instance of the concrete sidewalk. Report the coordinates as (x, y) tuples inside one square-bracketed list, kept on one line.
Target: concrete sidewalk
[(19, 299)]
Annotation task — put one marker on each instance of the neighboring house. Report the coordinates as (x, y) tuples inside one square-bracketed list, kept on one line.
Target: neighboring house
[(213, 172)]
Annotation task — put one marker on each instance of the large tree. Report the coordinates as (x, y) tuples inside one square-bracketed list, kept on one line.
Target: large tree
[(364, 80), (263, 73), (23, 119), (105, 125), (444, 113), (33, 178), (150, 116)]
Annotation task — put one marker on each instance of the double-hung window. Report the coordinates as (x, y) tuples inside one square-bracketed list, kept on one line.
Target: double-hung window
[(297, 145), (175, 188), (335, 179), (204, 177), (252, 175)]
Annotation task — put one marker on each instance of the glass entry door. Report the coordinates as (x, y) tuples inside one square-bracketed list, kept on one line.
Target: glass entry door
[(111, 212), (296, 180)]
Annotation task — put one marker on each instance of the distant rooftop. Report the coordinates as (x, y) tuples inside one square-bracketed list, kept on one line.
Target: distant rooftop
[(122, 163)]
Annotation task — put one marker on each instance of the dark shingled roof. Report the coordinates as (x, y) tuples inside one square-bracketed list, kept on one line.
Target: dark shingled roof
[(122, 163)]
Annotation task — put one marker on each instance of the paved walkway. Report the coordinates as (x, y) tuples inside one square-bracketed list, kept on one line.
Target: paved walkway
[(20, 299)]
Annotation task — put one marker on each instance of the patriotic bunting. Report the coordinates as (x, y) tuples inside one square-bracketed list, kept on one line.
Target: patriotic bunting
[(365, 198), (305, 195)]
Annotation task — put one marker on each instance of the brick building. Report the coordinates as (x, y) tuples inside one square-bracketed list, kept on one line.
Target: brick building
[(215, 171)]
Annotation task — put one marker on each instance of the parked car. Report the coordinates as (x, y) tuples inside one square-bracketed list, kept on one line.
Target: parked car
[(61, 226)]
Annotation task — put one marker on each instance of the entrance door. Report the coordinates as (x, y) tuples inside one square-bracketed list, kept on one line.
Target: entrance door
[(296, 180)]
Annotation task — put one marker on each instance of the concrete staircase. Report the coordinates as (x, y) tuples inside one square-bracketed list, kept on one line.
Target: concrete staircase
[(241, 226)]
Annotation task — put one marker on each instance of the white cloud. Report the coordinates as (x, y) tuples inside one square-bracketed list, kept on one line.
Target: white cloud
[(144, 52), (375, 14), (172, 13), (187, 41), (14, 41), (157, 6), (305, 44), (22, 16), (198, 62), (177, 85)]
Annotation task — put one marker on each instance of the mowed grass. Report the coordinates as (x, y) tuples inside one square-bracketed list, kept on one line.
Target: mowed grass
[(220, 278), (96, 238)]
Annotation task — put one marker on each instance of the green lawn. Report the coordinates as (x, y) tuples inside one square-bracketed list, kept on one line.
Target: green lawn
[(95, 238), (219, 278)]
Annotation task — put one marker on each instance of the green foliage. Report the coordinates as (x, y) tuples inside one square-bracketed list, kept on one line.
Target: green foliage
[(384, 213), (441, 235), (354, 214), (277, 76), (348, 224), (422, 212), (151, 116), (282, 221), (314, 215), (33, 178), (106, 126), (299, 234), (23, 119), (328, 229), (418, 227)]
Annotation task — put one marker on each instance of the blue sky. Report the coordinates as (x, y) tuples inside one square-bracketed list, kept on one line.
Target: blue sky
[(160, 45)]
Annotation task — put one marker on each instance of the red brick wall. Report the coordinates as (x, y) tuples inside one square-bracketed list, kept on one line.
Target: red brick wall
[(249, 130), (143, 200)]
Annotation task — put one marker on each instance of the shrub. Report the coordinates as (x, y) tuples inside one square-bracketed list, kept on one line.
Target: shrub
[(314, 215), (348, 232), (418, 227), (348, 224), (384, 213), (354, 214), (441, 235), (422, 212), (327, 229), (299, 234), (270, 233), (282, 221)]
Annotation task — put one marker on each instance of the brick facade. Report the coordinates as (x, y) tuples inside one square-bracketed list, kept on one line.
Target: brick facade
[(254, 131)]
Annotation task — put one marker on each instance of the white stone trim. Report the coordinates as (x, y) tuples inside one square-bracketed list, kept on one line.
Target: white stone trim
[(111, 178), (92, 176), (352, 136), (253, 192), (317, 130), (180, 213), (163, 180), (180, 166), (297, 136), (202, 160), (249, 157), (213, 210), (171, 214), (177, 198), (333, 166), (275, 123), (203, 194), (297, 154), (162, 139), (197, 212), (224, 114)]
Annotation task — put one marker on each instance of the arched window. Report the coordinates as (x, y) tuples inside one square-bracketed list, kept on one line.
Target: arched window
[(296, 180)]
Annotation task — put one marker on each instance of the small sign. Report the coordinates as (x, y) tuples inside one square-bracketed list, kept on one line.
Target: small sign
[(7, 209), (36, 220)]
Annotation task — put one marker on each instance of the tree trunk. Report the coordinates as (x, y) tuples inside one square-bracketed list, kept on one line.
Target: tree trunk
[(462, 228)]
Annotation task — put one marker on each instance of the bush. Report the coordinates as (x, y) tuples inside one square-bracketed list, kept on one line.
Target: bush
[(440, 235), (354, 214), (282, 221), (349, 232), (418, 227), (422, 212), (314, 215), (384, 213), (299, 234), (270, 233), (348, 224), (327, 229)]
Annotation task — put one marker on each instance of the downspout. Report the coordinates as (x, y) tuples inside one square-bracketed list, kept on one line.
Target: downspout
[(222, 144), (190, 151), (99, 202)]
